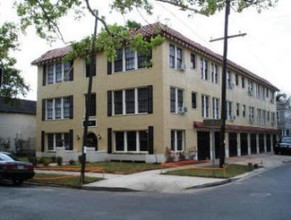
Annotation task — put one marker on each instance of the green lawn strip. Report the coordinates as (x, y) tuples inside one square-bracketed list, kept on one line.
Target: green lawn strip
[(118, 167), (232, 170), (48, 179)]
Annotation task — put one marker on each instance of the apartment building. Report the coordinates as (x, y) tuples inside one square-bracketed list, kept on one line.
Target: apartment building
[(284, 117), (137, 112)]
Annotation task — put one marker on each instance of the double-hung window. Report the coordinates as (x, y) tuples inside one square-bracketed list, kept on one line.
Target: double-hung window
[(205, 106), (214, 77), (130, 101), (92, 108), (193, 61), (128, 59), (237, 109), (215, 106), (229, 110), (204, 68), (58, 140), (194, 100), (229, 80), (57, 72), (118, 102), (176, 99), (175, 57), (59, 108), (177, 140), (118, 62), (179, 58), (131, 141), (251, 114), (172, 55)]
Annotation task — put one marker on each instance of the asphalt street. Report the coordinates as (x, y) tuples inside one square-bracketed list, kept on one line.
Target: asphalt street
[(265, 196)]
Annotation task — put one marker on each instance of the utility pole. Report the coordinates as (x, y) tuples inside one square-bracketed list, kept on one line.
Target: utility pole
[(223, 87), (223, 83), (88, 100)]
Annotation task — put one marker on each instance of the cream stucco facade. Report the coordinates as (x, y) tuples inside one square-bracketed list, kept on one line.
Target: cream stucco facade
[(180, 98)]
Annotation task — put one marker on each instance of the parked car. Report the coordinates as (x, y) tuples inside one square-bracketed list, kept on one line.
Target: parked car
[(283, 146), (13, 169)]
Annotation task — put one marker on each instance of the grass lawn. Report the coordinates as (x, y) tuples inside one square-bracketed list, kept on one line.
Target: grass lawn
[(230, 171), (60, 180), (115, 167)]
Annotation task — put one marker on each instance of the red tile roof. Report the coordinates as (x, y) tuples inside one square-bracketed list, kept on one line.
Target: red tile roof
[(171, 34)]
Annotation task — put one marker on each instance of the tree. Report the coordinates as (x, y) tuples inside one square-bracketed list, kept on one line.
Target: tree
[(13, 84), (45, 15)]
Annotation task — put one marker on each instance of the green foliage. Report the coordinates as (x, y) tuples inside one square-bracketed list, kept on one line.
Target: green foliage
[(44, 15), (205, 7), (13, 83), (59, 161), (113, 38)]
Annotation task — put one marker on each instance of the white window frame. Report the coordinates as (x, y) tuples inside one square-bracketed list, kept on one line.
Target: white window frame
[(214, 73), (125, 142), (136, 109), (215, 106), (54, 73), (175, 147), (54, 109), (178, 61), (204, 68), (229, 113), (205, 106), (53, 148), (176, 99)]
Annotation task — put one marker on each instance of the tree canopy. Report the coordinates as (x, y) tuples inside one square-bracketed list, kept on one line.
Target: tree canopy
[(13, 84), (45, 16)]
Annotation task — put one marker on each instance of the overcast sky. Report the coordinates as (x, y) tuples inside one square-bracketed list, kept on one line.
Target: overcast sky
[(265, 50)]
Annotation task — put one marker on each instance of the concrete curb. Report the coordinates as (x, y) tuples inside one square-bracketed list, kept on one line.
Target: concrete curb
[(109, 189)]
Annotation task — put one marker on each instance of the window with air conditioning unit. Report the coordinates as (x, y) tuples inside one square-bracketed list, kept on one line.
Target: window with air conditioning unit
[(182, 67), (182, 110)]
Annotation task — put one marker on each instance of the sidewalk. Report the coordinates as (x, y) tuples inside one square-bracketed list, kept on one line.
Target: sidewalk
[(153, 181)]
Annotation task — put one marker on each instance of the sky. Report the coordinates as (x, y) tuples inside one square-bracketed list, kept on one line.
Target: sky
[(265, 50)]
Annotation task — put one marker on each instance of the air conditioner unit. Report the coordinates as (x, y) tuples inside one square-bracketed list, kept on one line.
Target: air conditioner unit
[(182, 110), (182, 67), (230, 85), (272, 100)]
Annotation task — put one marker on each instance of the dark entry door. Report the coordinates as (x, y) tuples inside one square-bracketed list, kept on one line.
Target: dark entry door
[(268, 139), (261, 143), (203, 145), (244, 144), (217, 144), (253, 143), (232, 144)]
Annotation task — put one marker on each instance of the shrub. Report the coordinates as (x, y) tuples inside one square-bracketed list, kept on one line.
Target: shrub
[(72, 162), (32, 160), (53, 159), (80, 158), (169, 155), (59, 161), (46, 161)]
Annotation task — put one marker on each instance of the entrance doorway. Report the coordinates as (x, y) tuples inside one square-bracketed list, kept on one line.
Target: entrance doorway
[(203, 145)]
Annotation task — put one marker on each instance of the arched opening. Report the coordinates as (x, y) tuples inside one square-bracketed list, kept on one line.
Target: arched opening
[(92, 141)]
